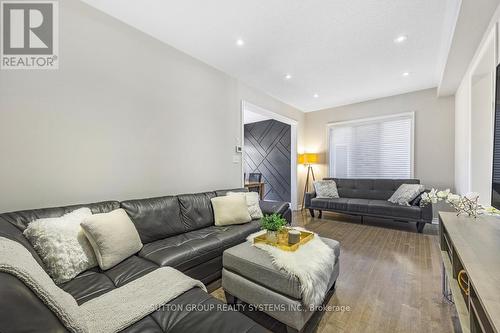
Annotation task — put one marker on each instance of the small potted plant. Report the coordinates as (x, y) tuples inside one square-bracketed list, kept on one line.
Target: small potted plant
[(273, 224)]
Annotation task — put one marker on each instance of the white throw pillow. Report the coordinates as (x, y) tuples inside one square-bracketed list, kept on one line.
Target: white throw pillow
[(406, 193), (253, 200), (113, 236), (326, 189), (62, 245), (230, 209)]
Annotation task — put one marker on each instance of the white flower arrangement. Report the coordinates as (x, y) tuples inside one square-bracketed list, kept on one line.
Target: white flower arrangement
[(466, 204)]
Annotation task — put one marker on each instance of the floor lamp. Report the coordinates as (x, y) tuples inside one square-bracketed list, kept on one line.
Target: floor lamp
[(307, 159)]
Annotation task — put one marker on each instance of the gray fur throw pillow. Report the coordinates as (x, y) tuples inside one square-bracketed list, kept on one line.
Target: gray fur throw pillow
[(406, 193), (326, 189)]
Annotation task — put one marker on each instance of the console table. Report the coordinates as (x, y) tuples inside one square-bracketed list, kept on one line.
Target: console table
[(256, 185), (470, 249)]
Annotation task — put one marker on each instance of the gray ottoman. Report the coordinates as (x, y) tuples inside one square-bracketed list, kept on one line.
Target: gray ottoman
[(249, 275)]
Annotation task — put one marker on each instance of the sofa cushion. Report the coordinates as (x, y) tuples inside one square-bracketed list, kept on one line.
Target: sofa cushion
[(367, 206), (236, 234), (196, 210), (375, 189), (203, 320), (95, 282), (145, 325), (335, 204), (359, 205), (155, 218), (207, 272), (386, 208), (88, 285), (342, 204), (130, 269), (175, 316), (181, 251), (193, 248), (207, 317)]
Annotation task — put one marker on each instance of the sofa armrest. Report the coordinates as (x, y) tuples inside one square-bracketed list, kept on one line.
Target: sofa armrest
[(22, 311), (282, 208), (271, 207), (416, 201), (427, 213), (307, 199), (287, 215)]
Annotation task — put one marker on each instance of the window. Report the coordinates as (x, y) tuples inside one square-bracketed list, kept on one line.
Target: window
[(372, 148)]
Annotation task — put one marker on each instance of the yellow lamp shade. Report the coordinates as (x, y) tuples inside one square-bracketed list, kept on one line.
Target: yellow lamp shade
[(308, 158)]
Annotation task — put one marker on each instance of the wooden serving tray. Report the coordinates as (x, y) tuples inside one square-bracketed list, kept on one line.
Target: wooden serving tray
[(305, 236)]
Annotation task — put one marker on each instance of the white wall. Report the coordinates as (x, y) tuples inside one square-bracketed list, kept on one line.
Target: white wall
[(474, 103), (462, 139), (125, 116), (482, 137), (434, 131)]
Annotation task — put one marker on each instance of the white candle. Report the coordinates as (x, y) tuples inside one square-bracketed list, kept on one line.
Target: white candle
[(293, 236)]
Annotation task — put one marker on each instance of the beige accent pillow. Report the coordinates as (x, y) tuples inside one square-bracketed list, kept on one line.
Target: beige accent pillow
[(230, 209), (113, 237), (253, 200)]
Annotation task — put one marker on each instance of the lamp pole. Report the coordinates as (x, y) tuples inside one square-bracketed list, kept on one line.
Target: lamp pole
[(310, 170)]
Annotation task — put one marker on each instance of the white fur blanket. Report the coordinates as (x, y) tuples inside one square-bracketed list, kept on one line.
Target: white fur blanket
[(109, 313), (313, 264)]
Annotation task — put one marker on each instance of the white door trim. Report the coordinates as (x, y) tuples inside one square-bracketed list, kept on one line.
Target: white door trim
[(245, 105)]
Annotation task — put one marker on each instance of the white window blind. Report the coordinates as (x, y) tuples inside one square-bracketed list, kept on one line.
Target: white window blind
[(372, 148)]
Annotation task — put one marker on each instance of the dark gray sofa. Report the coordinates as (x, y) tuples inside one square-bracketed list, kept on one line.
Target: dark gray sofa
[(177, 231), (368, 197)]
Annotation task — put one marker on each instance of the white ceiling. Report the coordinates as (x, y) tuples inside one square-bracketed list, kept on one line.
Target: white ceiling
[(472, 22), (343, 50)]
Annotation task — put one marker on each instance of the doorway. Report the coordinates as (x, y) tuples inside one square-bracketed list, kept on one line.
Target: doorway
[(270, 149)]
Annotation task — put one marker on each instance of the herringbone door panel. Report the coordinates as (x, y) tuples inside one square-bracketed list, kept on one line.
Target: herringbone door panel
[(267, 150)]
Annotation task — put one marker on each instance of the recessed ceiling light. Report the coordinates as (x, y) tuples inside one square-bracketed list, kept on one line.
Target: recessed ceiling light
[(406, 74), (288, 76), (315, 95), (240, 42), (400, 39)]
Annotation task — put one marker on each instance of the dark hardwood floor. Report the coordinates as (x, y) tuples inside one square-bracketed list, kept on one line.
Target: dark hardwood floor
[(390, 277)]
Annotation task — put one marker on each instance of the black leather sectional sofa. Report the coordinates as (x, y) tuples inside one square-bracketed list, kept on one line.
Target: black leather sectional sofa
[(368, 197), (176, 231)]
